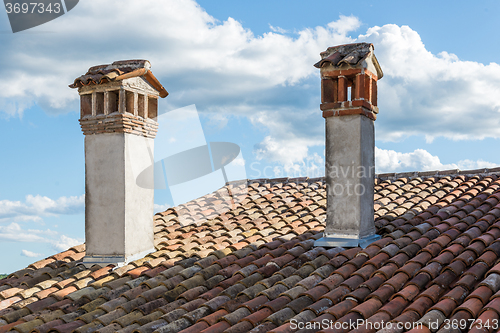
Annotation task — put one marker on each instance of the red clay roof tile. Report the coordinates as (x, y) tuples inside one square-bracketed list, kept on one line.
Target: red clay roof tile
[(386, 273)]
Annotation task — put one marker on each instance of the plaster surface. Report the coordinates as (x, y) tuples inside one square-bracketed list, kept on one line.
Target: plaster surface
[(350, 176), (118, 213)]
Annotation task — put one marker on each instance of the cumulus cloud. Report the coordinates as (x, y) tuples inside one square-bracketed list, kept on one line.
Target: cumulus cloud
[(421, 94), (420, 160), (16, 233), (15, 215), (161, 208), (224, 68), (35, 207), (310, 165), (211, 63), (278, 29), (30, 254), (285, 151), (290, 138), (64, 242), (434, 95)]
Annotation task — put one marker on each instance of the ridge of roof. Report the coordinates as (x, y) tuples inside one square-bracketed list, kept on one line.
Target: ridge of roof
[(381, 176), (439, 173)]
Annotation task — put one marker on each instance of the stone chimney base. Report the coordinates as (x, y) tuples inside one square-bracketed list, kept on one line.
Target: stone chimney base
[(118, 260)]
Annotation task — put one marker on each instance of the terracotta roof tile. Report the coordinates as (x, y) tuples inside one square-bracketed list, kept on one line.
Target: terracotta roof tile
[(436, 259)]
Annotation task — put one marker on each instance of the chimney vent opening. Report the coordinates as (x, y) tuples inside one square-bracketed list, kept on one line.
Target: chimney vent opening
[(99, 103), (113, 99), (130, 106), (152, 108), (329, 91), (85, 105), (141, 106)]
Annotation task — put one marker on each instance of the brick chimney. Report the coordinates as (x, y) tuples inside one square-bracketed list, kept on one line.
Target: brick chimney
[(349, 75), (118, 109)]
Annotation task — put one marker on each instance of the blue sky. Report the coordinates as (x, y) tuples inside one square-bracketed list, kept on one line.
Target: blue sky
[(247, 67)]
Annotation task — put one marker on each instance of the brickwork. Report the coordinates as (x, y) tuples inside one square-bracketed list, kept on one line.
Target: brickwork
[(347, 85), (119, 98), (119, 123)]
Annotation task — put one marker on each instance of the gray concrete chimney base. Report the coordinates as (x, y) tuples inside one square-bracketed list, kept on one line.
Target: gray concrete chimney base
[(346, 242), (117, 260)]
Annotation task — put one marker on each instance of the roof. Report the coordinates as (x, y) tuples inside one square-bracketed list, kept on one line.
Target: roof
[(119, 70), (253, 268)]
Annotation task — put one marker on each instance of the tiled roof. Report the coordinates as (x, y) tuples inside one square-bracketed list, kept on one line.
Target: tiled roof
[(119, 70), (253, 268)]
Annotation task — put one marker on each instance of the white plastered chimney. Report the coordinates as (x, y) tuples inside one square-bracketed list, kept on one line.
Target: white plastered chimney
[(119, 106)]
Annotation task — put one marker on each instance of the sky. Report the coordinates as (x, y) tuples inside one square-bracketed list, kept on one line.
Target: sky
[(246, 68)]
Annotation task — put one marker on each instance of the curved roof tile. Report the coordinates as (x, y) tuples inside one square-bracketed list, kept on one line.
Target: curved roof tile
[(250, 264)]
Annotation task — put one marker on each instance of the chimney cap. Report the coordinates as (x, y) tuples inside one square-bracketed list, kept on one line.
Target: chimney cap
[(119, 70), (350, 55)]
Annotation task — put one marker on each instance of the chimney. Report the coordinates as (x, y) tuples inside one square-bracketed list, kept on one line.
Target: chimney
[(349, 75), (118, 110)]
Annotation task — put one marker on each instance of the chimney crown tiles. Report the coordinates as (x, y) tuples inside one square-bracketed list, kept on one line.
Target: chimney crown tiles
[(119, 70), (347, 56)]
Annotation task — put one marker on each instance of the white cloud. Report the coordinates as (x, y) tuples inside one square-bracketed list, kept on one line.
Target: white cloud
[(434, 95), (238, 161), (311, 166), (35, 207), (30, 254), (278, 29), (64, 242), (205, 60), (421, 94), (479, 164), (420, 160), (291, 134), (225, 69), (286, 151), (217, 121), (161, 208), (16, 233)]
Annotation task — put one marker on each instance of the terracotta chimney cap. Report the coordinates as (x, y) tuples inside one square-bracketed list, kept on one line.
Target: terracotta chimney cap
[(350, 56), (119, 70)]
